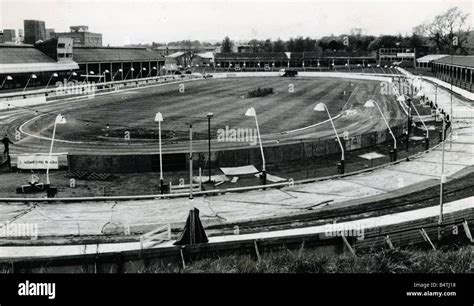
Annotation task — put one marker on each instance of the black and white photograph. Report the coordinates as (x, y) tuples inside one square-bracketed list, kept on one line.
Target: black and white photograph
[(287, 140)]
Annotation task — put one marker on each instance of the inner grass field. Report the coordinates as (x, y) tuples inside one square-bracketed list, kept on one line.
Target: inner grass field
[(107, 118)]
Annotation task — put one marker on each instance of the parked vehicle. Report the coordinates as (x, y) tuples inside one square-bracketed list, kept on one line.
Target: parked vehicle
[(288, 73)]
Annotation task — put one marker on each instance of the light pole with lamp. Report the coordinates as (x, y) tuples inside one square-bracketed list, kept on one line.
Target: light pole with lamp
[(209, 116), (159, 119), (370, 66), (372, 103), (321, 107), (149, 73), (442, 179), (7, 78), (72, 74), (252, 113), (427, 138), (87, 76), (54, 75), (33, 76), (59, 120), (129, 70), (115, 74), (408, 126), (103, 75), (140, 74)]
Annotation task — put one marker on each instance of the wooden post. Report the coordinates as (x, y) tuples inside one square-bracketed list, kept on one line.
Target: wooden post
[(467, 231), (389, 242), (348, 245), (182, 258), (256, 250), (427, 238)]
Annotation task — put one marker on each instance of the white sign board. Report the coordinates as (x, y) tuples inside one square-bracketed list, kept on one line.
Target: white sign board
[(405, 54), (35, 162)]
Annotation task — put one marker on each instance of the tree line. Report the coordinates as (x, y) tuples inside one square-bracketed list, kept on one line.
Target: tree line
[(449, 32)]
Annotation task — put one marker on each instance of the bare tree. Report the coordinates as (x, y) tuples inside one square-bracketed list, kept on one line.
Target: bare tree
[(446, 28), (192, 48)]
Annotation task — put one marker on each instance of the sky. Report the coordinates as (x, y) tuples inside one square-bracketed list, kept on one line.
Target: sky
[(143, 21)]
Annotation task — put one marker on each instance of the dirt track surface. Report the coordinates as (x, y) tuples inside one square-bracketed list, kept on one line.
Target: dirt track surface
[(134, 111)]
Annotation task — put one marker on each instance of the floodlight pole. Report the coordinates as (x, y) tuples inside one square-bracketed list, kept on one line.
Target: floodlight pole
[(27, 82), (161, 158), (408, 125), (4, 80), (337, 137), (440, 220), (252, 113), (427, 138), (264, 174), (190, 161), (451, 108), (72, 73), (209, 116), (49, 80), (51, 149), (335, 132), (389, 129)]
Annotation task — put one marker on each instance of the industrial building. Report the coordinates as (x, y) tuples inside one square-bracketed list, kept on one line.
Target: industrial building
[(35, 30), (9, 35), (82, 37)]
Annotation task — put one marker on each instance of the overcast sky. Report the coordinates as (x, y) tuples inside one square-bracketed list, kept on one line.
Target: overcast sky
[(143, 21)]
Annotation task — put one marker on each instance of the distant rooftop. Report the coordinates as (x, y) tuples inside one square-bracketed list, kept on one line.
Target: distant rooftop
[(26, 58), (458, 60), (114, 54), (431, 57)]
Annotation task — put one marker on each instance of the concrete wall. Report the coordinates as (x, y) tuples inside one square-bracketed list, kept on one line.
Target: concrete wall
[(23, 101), (229, 158)]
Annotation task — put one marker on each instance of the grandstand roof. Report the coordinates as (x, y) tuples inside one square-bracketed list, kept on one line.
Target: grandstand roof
[(252, 56), (457, 60), (26, 59), (114, 54), (22, 54), (206, 55), (175, 55), (284, 56), (429, 58)]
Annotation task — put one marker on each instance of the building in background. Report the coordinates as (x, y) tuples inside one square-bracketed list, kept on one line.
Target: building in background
[(50, 34), (82, 37), (59, 49), (170, 49), (35, 30), (177, 61), (402, 57), (205, 59), (9, 35), (21, 35)]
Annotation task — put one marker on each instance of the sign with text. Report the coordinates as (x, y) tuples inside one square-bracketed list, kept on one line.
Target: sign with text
[(34, 162), (406, 54)]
